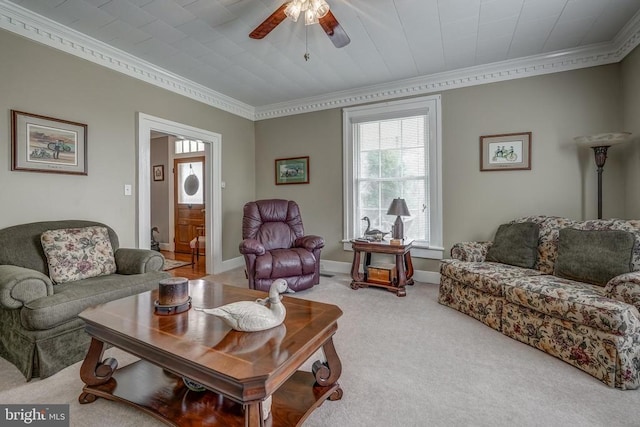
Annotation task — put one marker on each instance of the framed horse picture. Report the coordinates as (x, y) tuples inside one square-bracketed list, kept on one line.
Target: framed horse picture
[(292, 170)]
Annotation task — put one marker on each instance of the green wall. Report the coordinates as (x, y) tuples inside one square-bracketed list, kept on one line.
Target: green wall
[(562, 181), (631, 123), (41, 80)]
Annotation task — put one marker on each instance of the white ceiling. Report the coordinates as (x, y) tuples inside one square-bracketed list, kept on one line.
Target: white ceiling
[(207, 42)]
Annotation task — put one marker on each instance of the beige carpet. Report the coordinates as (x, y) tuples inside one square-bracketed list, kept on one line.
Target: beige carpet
[(406, 362)]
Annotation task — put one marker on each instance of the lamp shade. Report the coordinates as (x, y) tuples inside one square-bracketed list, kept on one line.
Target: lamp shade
[(600, 143), (602, 139), (398, 207)]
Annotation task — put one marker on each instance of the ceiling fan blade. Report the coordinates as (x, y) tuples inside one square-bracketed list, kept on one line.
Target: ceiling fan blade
[(334, 30), (270, 23)]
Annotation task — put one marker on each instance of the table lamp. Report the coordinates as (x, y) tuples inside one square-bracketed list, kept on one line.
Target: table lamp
[(600, 144), (399, 208)]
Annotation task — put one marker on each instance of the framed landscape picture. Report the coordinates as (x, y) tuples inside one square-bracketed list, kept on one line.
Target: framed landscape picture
[(509, 151), (293, 170), (46, 144)]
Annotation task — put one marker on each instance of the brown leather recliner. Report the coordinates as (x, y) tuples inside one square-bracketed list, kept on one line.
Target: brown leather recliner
[(275, 247)]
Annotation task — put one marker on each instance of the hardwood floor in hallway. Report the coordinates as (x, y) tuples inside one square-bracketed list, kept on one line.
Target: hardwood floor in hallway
[(189, 271)]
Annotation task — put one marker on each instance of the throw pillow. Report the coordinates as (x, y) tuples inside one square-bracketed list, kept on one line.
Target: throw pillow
[(593, 256), (515, 244), (78, 253)]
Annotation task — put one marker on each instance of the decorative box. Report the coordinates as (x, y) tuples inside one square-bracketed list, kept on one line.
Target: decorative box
[(383, 274)]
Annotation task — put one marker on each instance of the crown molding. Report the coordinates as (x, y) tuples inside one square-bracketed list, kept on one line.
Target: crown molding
[(19, 20), (591, 56), (571, 59)]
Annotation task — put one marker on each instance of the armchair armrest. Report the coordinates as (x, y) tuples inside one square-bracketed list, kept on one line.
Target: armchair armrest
[(138, 261), (19, 285), (470, 251), (310, 242), (251, 247), (625, 288)]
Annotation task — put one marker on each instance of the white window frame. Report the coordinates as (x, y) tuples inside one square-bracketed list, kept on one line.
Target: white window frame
[(429, 105), (199, 147)]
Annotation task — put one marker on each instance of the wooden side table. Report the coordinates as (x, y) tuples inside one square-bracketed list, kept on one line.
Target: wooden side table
[(403, 264)]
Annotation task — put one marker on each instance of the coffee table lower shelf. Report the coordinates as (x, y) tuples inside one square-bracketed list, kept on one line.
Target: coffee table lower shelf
[(163, 395)]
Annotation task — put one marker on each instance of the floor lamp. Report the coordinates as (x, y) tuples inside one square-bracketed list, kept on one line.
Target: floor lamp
[(600, 143)]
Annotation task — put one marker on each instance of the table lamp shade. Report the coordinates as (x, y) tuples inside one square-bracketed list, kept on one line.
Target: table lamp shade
[(399, 208)]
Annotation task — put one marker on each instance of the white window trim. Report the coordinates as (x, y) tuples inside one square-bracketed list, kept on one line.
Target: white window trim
[(357, 114)]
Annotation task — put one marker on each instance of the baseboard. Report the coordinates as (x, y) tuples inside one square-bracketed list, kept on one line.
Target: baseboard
[(165, 246), (232, 263), (328, 266), (345, 268), (432, 277)]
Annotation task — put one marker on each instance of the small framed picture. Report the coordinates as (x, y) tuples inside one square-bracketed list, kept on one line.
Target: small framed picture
[(46, 144), (158, 173), (293, 170), (509, 151)]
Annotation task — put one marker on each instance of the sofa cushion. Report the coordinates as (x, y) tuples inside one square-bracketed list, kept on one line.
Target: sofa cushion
[(70, 299), (78, 253), (484, 276), (630, 225), (577, 302), (515, 244), (548, 239), (593, 256), (22, 244)]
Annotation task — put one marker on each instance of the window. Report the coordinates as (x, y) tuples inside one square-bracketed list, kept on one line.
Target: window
[(185, 146), (393, 150), (185, 171)]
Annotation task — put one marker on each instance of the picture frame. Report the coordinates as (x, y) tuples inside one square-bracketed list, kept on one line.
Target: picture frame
[(46, 144), (158, 172), (292, 170), (508, 151)]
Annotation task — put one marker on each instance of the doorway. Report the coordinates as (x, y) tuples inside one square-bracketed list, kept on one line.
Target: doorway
[(189, 202), (212, 182)]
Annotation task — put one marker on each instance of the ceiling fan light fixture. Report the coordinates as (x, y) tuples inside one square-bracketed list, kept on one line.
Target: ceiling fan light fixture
[(310, 17), (293, 10), (313, 10)]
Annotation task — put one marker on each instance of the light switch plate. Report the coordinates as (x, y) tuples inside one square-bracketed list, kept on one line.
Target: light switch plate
[(127, 189)]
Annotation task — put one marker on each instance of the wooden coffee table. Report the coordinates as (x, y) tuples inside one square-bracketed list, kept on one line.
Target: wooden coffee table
[(239, 369)]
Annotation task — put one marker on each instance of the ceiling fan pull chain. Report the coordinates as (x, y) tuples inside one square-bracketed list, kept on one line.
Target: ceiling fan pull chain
[(306, 43)]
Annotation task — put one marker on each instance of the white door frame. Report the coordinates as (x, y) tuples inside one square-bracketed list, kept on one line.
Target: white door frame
[(213, 180)]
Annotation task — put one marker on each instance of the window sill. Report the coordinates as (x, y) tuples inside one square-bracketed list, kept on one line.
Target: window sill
[(426, 252)]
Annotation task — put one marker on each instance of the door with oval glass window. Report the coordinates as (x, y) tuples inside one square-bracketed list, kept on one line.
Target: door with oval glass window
[(189, 200)]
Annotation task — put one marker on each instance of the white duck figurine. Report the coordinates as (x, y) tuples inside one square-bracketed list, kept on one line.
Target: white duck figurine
[(253, 316)]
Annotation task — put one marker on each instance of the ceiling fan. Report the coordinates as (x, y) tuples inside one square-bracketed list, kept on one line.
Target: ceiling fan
[(315, 11)]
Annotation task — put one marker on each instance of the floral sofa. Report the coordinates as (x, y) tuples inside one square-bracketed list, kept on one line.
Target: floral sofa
[(594, 327), (50, 272)]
